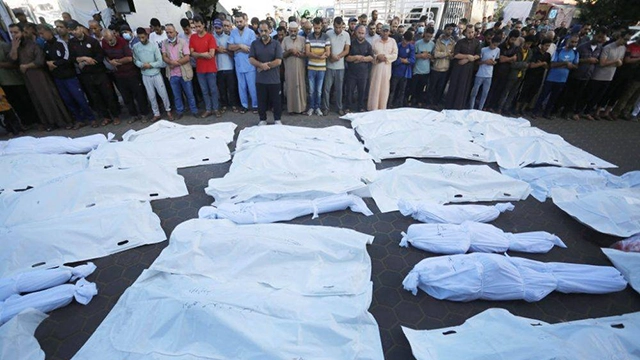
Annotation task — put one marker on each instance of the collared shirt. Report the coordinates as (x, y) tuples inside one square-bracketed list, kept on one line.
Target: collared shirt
[(560, 74), (148, 53), (585, 70), (118, 51), (423, 66), (407, 51), (318, 45), (266, 53), (362, 69), (338, 44), (224, 61), (247, 37), (175, 51)]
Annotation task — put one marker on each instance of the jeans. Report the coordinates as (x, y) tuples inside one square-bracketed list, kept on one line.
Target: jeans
[(316, 80), (485, 82), (552, 90), (72, 95), (177, 85), (359, 83), (209, 90), (333, 78), (269, 96), (247, 83)]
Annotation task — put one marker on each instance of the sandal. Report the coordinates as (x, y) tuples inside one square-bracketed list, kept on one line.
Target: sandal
[(234, 109), (243, 111), (94, 124), (116, 121), (105, 122)]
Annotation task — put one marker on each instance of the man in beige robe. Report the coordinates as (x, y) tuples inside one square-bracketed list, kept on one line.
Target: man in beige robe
[(294, 70), (385, 52)]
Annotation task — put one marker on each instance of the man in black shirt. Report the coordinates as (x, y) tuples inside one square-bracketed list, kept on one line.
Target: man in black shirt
[(266, 55), (87, 53), (357, 74), (64, 75)]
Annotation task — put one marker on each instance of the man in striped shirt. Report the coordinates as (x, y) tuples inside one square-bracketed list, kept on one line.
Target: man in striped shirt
[(318, 48)]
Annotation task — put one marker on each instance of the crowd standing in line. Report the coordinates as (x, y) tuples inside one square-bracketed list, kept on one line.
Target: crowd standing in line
[(70, 76)]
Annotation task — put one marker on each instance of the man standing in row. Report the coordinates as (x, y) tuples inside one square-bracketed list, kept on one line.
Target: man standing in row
[(385, 52), (334, 77), (226, 77), (294, 73), (203, 47), (240, 42), (420, 80), (442, 55), (318, 49), (266, 55), (176, 54), (147, 57), (357, 74)]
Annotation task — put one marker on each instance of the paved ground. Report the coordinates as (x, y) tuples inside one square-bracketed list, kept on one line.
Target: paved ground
[(67, 329)]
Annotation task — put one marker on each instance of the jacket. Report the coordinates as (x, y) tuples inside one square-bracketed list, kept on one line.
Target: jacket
[(57, 51), (440, 51)]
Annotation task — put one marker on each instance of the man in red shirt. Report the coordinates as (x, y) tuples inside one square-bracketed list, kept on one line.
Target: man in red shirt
[(203, 48)]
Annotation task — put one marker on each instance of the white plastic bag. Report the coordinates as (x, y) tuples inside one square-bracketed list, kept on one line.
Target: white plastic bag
[(452, 214), (16, 336), (42, 279)]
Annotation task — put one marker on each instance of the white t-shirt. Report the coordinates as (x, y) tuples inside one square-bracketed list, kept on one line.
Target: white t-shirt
[(158, 39)]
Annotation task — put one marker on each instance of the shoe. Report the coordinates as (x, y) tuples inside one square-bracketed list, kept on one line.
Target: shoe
[(179, 116), (634, 118), (575, 117), (218, 113), (319, 112), (116, 121), (78, 125), (341, 113), (325, 112), (277, 122), (169, 116), (262, 123), (310, 112), (156, 118), (205, 114)]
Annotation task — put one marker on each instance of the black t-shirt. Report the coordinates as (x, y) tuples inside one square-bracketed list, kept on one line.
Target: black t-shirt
[(359, 69), (266, 53)]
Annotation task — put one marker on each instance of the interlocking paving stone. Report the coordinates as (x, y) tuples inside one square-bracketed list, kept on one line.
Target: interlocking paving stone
[(67, 329)]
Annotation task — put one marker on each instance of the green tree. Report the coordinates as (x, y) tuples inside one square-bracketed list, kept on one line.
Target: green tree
[(609, 12)]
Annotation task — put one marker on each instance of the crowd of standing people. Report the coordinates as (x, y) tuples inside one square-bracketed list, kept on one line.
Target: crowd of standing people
[(70, 75)]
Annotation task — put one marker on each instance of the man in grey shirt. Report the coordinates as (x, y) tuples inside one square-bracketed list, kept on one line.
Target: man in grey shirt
[(266, 55), (334, 77)]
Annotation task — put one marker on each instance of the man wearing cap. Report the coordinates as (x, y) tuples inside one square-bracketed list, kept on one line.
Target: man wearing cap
[(385, 52), (147, 56), (226, 77), (266, 55), (176, 54), (126, 74), (239, 43), (64, 76), (334, 77), (295, 67), (157, 35), (203, 47), (88, 54)]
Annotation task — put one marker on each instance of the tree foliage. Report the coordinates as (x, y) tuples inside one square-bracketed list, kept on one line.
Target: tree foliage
[(609, 12)]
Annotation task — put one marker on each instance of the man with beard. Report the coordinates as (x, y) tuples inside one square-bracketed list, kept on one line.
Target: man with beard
[(239, 43), (203, 47), (147, 56), (266, 56), (371, 35), (89, 56), (357, 75), (385, 52), (466, 52), (442, 55), (508, 56), (334, 76), (294, 73), (44, 94), (539, 63), (64, 76)]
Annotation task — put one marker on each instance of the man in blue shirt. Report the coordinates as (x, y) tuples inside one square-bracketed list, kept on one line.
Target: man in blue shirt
[(562, 62), (402, 70), (227, 82), (239, 43)]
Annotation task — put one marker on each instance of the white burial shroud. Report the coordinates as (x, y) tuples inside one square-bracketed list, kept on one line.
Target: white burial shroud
[(443, 183), (628, 263), (90, 233), (495, 334), (251, 291), (88, 188), (16, 336), (283, 210), (35, 280), (53, 144), (452, 214), (32, 170), (481, 276), (164, 130), (48, 300), (476, 237)]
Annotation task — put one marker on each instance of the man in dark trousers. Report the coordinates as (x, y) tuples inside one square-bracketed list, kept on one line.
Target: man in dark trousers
[(266, 55), (87, 53)]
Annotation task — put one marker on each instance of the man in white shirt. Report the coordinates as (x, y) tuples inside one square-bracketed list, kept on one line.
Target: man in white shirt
[(157, 35)]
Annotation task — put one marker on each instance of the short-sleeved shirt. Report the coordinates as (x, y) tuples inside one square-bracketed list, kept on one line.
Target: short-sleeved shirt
[(224, 61), (338, 42), (423, 66), (610, 52), (202, 45), (371, 39), (560, 74), (487, 53), (176, 51), (359, 70), (158, 39), (585, 70), (318, 45), (247, 37), (267, 53)]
